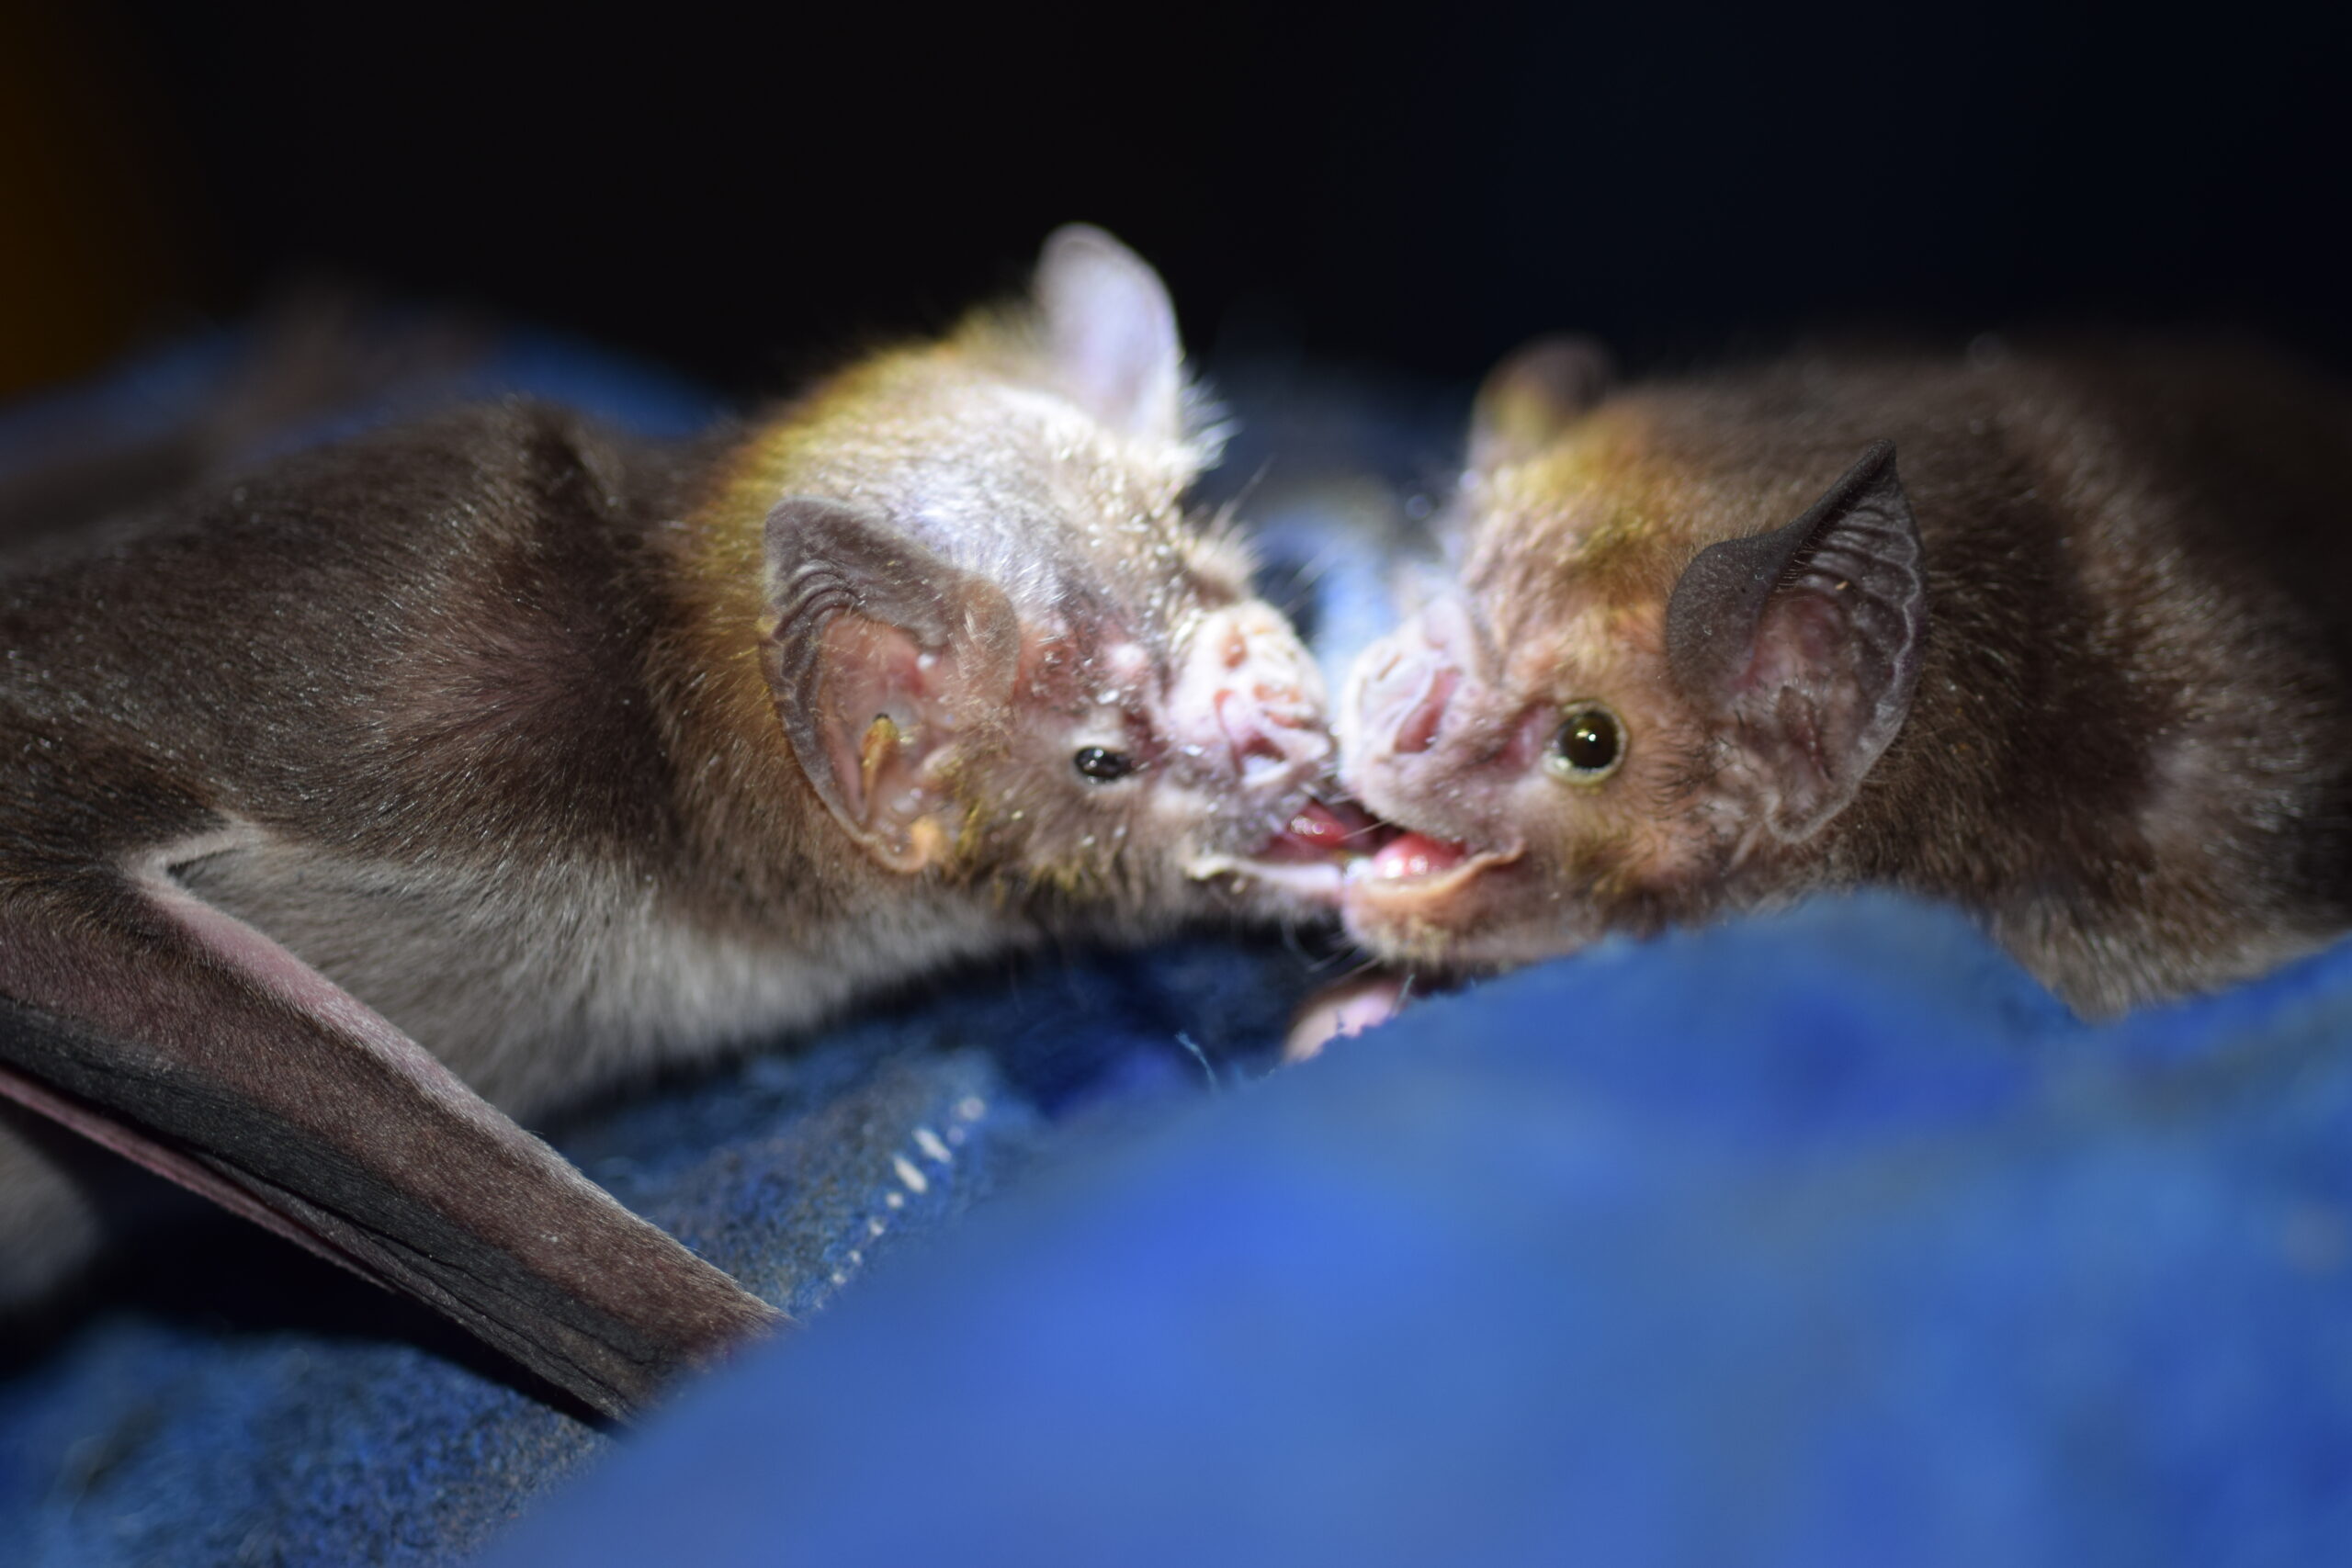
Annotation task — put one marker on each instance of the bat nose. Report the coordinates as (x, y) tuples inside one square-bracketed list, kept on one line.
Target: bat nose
[(1264, 697), (1406, 683), (1404, 698)]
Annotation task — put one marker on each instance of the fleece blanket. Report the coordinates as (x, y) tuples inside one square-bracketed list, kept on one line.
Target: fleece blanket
[(1825, 1238), (1821, 1240)]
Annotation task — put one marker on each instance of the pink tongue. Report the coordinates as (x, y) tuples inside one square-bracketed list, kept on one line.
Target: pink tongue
[(1320, 832), (1418, 854)]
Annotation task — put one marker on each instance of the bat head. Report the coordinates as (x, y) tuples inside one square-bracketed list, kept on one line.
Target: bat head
[(1001, 649), (1649, 692)]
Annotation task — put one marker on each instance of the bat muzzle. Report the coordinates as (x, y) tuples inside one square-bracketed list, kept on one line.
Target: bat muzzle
[(1249, 706)]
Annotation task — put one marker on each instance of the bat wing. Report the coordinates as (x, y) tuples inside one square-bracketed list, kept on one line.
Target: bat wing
[(140, 1016)]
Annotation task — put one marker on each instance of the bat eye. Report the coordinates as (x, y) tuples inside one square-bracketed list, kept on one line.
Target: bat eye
[(1590, 745), (1103, 765)]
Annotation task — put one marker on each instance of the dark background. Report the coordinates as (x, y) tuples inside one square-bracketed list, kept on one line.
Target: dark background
[(1366, 186)]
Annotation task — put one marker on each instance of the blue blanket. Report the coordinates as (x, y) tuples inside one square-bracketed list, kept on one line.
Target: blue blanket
[(1822, 1239)]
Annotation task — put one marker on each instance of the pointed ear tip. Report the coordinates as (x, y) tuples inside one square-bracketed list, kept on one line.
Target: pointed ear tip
[(1875, 471), (1543, 384), (1080, 236), (1076, 246), (1554, 356), (1560, 348), (1085, 278)]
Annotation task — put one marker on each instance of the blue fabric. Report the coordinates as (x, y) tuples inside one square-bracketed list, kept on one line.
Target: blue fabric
[(1818, 1240), (166, 389)]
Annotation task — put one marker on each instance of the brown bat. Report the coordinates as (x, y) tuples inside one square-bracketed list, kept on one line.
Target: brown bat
[(2058, 637), (351, 805)]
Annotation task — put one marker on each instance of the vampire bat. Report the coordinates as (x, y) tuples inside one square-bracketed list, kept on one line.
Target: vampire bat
[(2057, 636), (353, 804)]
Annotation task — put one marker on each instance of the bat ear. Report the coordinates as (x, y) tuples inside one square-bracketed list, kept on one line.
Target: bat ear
[(1536, 392), (1110, 333), (1806, 640), (884, 660)]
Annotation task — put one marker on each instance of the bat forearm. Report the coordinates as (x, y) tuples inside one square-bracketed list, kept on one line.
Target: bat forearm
[(192, 1042)]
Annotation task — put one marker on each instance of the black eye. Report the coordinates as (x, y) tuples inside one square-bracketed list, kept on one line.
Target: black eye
[(1102, 764), (1590, 744)]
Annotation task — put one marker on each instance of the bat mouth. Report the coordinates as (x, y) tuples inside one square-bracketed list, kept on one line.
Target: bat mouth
[(1309, 857), (1417, 868)]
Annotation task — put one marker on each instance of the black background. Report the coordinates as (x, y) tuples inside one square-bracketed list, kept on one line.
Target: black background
[(744, 197)]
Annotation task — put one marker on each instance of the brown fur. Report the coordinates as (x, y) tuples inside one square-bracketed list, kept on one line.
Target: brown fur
[(2130, 747)]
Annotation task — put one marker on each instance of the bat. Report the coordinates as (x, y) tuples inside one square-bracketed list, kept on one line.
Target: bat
[(2055, 634), (354, 804)]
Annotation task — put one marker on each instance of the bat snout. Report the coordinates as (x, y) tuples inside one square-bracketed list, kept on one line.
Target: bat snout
[(1402, 699), (1405, 685), (1250, 701)]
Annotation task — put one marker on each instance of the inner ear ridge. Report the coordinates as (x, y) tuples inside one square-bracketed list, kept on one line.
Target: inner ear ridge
[(803, 604), (789, 661), (1868, 549), (1857, 552), (1881, 594), (1876, 550)]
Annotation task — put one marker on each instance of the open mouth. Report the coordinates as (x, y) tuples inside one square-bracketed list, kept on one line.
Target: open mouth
[(1324, 831), (1416, 866), (1411, 856), (1313, 854), (1333, 850)]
